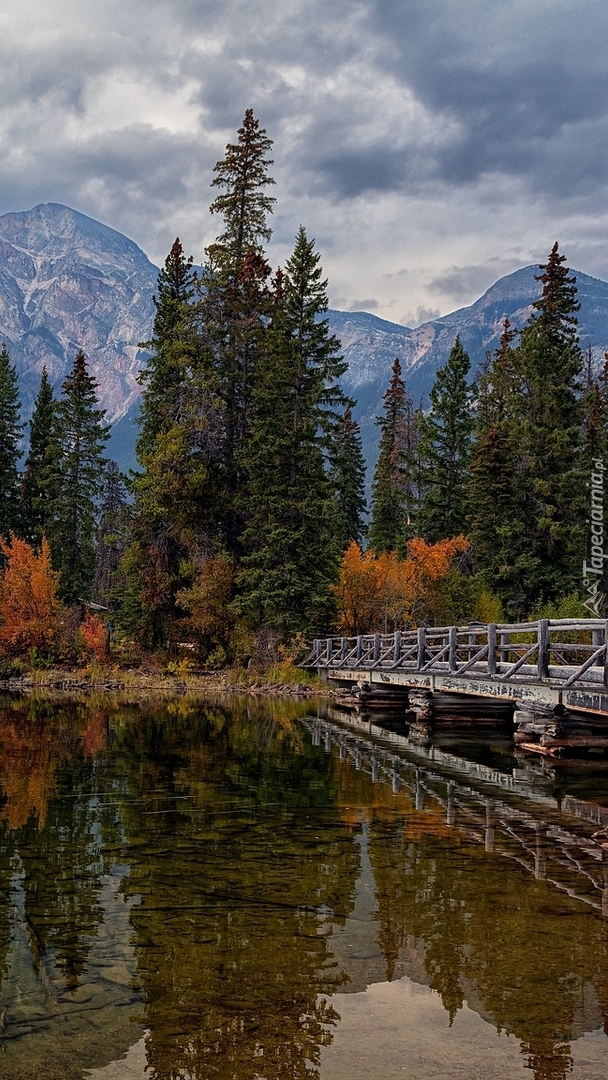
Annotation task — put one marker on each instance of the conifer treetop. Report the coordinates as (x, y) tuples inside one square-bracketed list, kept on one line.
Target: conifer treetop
[(557, 306), (243, 173)]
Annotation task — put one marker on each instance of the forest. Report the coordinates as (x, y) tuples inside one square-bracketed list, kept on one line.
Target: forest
[(244, 530)]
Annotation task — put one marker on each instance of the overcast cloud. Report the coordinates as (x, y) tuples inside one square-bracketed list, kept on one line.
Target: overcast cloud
[(429, 146)]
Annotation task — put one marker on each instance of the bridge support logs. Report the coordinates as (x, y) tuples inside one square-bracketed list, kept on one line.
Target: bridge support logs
[(422, 706), (554, 732)]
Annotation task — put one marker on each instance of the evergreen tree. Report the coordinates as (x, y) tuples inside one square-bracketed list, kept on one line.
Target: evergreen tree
[(347, 474), (10, 433), (596, 416), (446, 449), (548, 422), (235, 298), (395, 487), (82, 434), (290, 553), (494, 497), (171, 348), (112, 535), (40, 482), (178, 498), (244, 204)]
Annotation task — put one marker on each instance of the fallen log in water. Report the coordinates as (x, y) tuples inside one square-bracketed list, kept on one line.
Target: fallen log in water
[(536, 748), (587, 741)]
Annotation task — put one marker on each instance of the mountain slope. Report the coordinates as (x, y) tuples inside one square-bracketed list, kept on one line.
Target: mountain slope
[(69, 282), (370, 345)]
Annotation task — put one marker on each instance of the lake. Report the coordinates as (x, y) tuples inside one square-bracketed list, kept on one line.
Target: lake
[(243, 888)]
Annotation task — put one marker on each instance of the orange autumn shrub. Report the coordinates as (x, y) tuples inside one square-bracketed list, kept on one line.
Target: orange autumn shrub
[(94, 633), (384, 592), (29, 607)]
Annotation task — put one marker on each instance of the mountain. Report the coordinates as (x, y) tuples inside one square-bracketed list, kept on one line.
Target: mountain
[(69, 282), (371, 344)]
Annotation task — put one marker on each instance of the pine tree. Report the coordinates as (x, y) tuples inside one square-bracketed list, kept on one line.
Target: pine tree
[(494, 497), (82, 434), (244, 204), (347, 476), (446, 449), (10, 433), (178, 497), (112, 535), (235, 298), (395, 487), (290, 555), (171, 348), (40, 482), (548, 425)]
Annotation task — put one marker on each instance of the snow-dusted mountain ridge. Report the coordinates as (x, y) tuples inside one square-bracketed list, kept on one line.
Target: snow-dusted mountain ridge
[(69, 282)]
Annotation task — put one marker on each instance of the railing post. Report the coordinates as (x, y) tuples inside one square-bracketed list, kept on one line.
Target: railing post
[(597, 639), (359, 647), (343, 649), (453, 650), (504, 650), (491, 648), (421, 647), (316, 650), (543, 648), (376, 648), (328, 645), (397, 647)]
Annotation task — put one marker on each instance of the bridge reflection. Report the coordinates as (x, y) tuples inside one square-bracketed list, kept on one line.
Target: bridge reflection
[(550, 835)]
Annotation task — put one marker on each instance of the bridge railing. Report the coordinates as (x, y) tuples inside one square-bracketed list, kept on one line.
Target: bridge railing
[(567, 651)]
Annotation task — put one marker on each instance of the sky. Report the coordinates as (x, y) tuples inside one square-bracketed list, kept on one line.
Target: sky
[(429, 146)]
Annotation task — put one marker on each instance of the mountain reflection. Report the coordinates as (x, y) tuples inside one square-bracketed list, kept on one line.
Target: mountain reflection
[(198, 864)]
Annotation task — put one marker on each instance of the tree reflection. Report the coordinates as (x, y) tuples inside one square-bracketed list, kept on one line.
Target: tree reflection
[(511, 946), (241, 841), (238, 898), (56, 833)]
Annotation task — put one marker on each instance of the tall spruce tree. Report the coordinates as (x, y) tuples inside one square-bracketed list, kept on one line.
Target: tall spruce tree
[(170, 349), (290, 555), (40, 484), (494, 499), (235, 298), (178, 496), (197, 392), (113, 535), (548, 423), (395, 487), (446, 448), (10, 434), (347, 476), (82, 435)]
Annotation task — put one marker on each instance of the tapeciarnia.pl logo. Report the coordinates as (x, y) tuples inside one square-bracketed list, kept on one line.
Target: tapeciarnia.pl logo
[(594, 570)]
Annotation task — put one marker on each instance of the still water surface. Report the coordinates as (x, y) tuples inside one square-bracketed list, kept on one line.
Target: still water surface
[(197, 889)]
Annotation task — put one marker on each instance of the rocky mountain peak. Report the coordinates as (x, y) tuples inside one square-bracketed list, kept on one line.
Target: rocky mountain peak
[(68, 282)]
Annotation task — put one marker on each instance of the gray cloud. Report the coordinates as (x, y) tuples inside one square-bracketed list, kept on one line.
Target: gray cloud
[(460, 282), (408, 136)]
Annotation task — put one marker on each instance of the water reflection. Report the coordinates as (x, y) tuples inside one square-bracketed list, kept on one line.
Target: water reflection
[(215, 877)]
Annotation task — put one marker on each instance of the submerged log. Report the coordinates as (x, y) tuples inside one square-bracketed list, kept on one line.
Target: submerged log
[(532, 728), (536, 748), (589, 740)]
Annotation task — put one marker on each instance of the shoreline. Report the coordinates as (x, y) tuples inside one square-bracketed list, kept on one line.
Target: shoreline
[(113, 680)]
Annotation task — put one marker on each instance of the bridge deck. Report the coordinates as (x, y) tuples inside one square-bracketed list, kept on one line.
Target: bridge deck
[(560, 661)]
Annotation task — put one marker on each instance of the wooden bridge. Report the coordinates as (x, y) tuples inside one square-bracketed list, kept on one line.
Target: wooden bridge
[(550, 665)]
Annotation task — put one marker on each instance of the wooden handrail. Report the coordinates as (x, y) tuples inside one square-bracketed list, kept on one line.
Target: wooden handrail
[(478, 650)]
